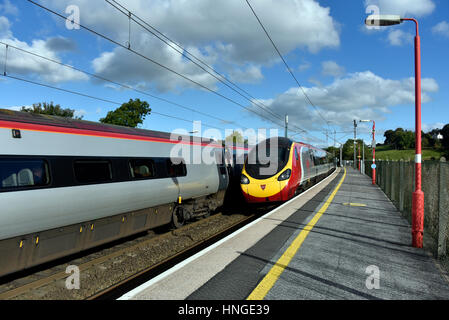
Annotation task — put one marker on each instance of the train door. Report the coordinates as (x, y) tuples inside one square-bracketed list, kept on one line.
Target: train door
[(223, 176), (297, 168)]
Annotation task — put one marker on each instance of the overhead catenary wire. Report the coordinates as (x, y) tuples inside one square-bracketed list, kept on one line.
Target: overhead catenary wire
[(185, 53), (153, 61), (98, 98), (285, 63), (119, 84)]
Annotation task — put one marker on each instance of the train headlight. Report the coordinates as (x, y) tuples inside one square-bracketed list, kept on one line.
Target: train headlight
[(244, 179), (285, 175)]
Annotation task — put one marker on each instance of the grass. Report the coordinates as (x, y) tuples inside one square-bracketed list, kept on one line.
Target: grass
[(384, 153)]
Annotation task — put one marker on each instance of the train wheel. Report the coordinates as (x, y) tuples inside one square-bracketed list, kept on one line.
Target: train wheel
[(178, 219)]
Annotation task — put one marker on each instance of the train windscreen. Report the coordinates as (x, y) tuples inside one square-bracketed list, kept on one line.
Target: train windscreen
[(260, 164)]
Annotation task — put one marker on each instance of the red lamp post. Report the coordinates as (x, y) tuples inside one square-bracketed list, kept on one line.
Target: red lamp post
[(418, 194), (374, 149)]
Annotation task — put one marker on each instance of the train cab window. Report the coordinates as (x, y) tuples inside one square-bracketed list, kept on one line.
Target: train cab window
[(23, 173), (142, 168), (176, 168), (92, 171), (296, 154)]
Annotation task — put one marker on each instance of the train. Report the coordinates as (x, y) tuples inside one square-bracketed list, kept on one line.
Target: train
[(67, 185), (294, 167)]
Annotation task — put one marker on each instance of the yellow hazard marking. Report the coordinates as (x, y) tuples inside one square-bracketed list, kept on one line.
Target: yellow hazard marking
[(354, 204), (275, 272)]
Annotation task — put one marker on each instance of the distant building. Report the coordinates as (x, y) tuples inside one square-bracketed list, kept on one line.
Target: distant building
[(437, 136)]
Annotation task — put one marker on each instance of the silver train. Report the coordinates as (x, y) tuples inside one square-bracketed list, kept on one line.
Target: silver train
[(68, 185)]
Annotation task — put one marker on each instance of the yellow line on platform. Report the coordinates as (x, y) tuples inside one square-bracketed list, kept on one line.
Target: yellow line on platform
[(275, 272)]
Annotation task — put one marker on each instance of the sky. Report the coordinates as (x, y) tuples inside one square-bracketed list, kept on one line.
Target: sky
[(346, 71)]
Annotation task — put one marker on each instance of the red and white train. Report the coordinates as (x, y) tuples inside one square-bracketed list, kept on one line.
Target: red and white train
[(295, 166)]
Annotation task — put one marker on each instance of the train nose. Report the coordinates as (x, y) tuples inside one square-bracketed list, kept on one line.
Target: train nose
[(264, 190)]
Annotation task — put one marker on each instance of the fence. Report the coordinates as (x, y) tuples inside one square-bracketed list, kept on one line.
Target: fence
[(397, 180)]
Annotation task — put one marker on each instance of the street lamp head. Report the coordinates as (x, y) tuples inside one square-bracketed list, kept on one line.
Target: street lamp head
[(365, 120), (383, 20)]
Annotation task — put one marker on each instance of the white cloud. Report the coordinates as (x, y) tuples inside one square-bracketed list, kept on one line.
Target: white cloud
[(8, 8), (20, 63), (224, 33), (252, 74), (304, 66), (441, 28), (403, 7), (426, 127), (80, 113), (15, 108), (331, 68), (398, 37), (361, 95), (5, 31)]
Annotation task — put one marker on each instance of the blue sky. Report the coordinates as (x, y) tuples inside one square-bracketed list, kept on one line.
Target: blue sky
[(347, 71)]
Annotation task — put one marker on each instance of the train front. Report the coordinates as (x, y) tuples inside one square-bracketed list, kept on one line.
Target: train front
[(267, 171)]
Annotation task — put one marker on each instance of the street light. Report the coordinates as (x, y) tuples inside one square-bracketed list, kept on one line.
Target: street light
[(374, 149), (418, 195)]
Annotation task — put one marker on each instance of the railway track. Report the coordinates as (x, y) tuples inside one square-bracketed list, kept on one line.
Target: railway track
[(110, 272)]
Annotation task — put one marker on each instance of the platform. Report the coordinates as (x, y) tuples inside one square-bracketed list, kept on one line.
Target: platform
[(341, 239)]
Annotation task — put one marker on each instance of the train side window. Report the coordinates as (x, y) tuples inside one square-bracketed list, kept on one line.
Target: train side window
[(91, 171), (15, 173), (176, 168), (142, 168)]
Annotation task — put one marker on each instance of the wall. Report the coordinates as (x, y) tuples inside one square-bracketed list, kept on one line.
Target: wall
[(397, 180)]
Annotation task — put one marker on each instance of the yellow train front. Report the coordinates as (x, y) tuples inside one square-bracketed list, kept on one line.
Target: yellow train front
[(277, 168)]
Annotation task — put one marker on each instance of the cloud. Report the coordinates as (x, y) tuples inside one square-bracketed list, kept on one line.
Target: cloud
[(60, 44), (224, 33), (426, 127), (8, 8), (403, 7), (398, 37), (304, 66), (360, 95), (5, 31), (441, 28), (20, 63), (252, 74), (331, 68)]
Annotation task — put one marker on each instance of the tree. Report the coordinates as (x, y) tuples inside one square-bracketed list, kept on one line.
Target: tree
[(403, 139), (129, 114), (389, 134), (51, 109), (235, 137)]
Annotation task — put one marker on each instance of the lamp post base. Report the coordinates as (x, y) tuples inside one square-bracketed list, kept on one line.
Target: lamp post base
[(417, 219), (374, 176)]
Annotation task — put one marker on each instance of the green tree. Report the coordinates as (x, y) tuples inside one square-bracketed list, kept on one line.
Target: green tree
[(235, 137), (403, 139), (129, 114), (389, 135), (51, 109)]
